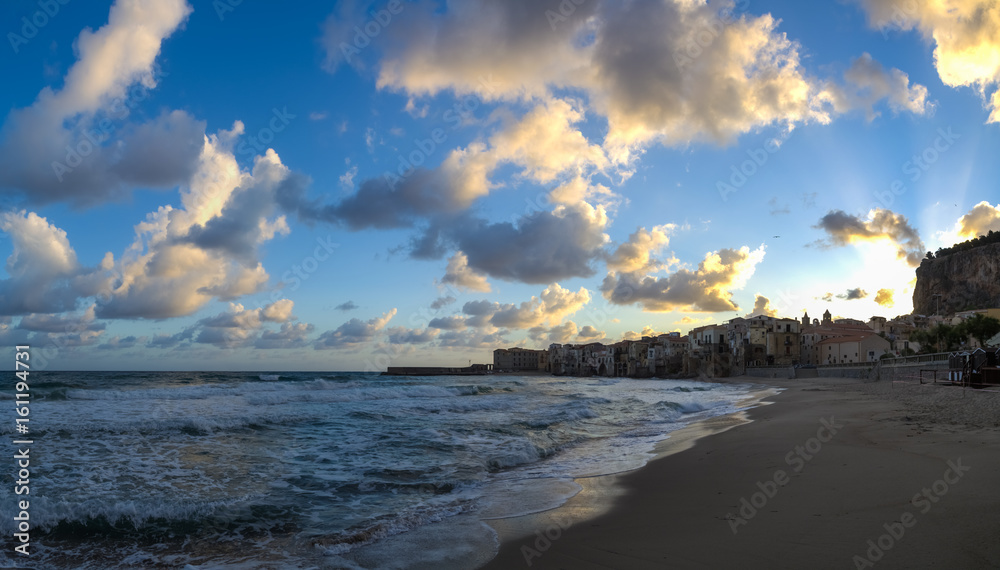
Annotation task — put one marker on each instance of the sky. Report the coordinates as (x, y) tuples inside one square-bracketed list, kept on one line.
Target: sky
[(226, 185)]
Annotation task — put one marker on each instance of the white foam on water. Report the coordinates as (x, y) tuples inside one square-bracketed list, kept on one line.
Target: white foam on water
[(358, 466)]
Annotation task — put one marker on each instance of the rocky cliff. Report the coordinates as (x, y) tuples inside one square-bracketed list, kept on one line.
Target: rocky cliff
[(965, 280)]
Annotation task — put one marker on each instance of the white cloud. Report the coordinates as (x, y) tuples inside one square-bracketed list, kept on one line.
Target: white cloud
[(459, 274), (965, 37), (553, 305), (637, 254), (239, 327), (981, 219), (880, 226), (670, 71), (208, 248), (75, 144), (706, 289), (354, 333), (45, 275)]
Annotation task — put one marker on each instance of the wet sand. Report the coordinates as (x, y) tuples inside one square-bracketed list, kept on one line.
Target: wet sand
[(833, 474)]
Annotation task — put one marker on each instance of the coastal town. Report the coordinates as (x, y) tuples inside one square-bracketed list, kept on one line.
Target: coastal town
[(730, 348)]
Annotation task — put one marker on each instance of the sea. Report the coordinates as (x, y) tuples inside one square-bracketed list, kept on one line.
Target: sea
[(198, 470)]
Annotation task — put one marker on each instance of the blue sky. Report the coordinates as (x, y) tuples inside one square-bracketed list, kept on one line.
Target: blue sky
[(198, 185)]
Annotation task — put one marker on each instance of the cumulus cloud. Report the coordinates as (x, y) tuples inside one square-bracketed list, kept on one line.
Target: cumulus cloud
[(559, 334), (590, 334), (454, 322), (290, 335), (442, 302), (706, 289), (61, 323), (551, 307), (354, 333), (965, 38), (472, 338), (648, 330), (632, 65), (981, 219), (165, 341), (881, 225), (543, 145), (209, 246), (346, 306), (637, 254), (459, 274), (240, 326), (762, 306), (45, 275), (853, 294), (644, 66), (884, 297), (382, 203), (403, 335), (866, 83), (75, 143), (543, 316), (541, 247)]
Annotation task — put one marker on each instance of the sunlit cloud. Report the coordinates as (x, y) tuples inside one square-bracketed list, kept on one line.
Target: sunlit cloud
[(982, 219), (880, 225), (964, 34), (706, 289), (884, 297)]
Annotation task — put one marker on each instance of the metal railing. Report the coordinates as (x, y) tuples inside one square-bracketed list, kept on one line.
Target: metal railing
[(916, 359)]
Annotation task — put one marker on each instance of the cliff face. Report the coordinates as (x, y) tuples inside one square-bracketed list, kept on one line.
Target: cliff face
[(965, 280)]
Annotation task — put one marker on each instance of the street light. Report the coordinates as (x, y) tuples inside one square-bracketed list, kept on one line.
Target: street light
[(938, 313)]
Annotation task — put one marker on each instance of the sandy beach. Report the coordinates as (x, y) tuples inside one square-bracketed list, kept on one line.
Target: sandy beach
[(833, 473)]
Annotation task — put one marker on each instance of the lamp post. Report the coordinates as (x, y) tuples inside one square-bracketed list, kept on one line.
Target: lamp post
[(937, 312)]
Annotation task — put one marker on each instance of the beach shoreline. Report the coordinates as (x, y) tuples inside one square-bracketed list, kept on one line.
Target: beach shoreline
[(836, 473)]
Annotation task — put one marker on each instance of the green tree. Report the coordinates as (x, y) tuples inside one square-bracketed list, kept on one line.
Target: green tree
[(980, 327)]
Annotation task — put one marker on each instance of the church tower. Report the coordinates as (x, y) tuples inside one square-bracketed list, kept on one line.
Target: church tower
[(827, 318), (805, 319)]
